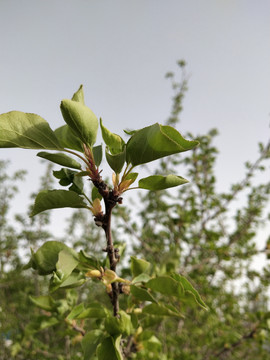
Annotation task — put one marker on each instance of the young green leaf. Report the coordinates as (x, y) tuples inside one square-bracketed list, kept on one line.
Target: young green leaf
[(28, 131), (67, 177), (67, 261), (79, 95), (97, 153), (88, 261), (46, 257), (159, 182), (160, 310), (60, 159), (154, 142), (109, 349), (75, 279), (76, 311), (94, 311), (189, 289), (165, 285), (81, 120), (90, 342), (131, 176), (40, 323), (61, 280), (142, 278), (141, 294), (95, 194), (77, 185), (153, 345), (116, 161), (117, 326), (44, 302), (117, 347), (130, 132), (113, 141), (55, 199), (139, 266), (67, 139)]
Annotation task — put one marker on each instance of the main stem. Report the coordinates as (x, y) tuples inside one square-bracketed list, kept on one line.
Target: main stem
[(110, 199), (111, 254)]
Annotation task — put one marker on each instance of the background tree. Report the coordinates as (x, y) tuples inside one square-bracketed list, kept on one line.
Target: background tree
[(211, 237), (11, 288)]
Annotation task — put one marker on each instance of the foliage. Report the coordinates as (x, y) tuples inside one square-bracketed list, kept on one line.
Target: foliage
[(115, 331), (181, 250)]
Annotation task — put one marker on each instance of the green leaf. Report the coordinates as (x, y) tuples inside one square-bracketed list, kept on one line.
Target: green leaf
[(160, 310), (28, 131), (75, 312), (79, 95), (65, 175), (46, 257), (55, 199), (141, 294), (165, 285), (40, 323), (68, 177), (62, 306), (150, 321), (130, 132), (59, 280), (67, 139), (95, 194), (189, 289), (142, 278), (47, 322), (109, 349), (56, 280), (44, 302), (131, 176), (90, 342), (115, 149), (97, 153), (153, 344), (154, 142), (61, 159), (117, 347), (88, 260), (95, 311), (77, 185), (116, 326), (116, 161), (113, 141), (139, 266), (81, 120), (159, 182), (67, 261), (75, 279)]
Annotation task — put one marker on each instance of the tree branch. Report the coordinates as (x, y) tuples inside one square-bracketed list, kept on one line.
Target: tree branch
[(227, 350), (110, 199)]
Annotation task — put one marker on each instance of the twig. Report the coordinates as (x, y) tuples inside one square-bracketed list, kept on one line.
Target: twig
[(77, 328), (234, 345)]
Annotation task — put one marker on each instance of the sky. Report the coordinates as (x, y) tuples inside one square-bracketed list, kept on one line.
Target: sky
[(121, 50)]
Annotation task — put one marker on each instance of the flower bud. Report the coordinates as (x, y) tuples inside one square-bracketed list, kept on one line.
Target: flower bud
[(94, 274)]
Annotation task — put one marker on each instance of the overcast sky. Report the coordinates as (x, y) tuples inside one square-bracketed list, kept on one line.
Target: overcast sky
[(121, 49)]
